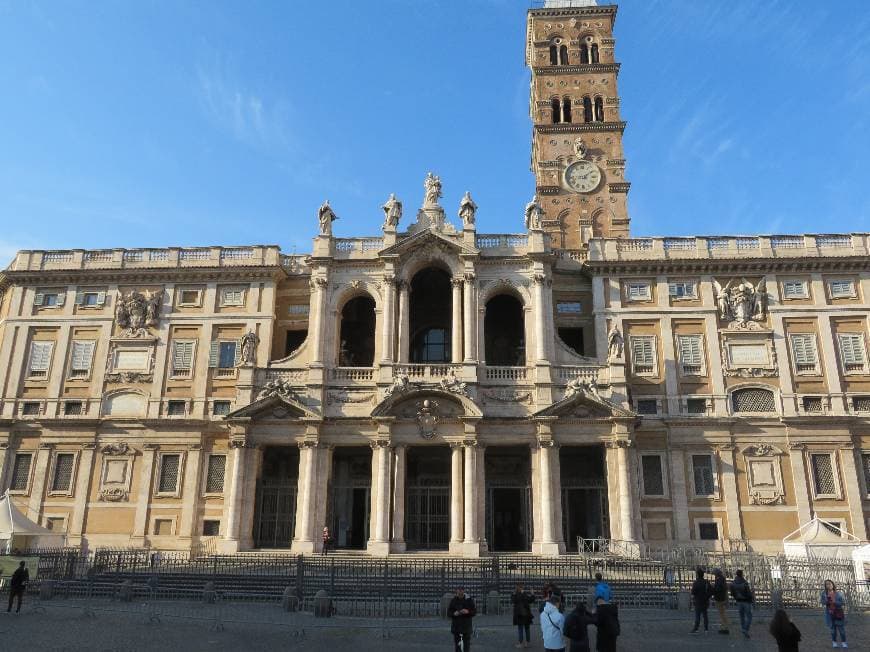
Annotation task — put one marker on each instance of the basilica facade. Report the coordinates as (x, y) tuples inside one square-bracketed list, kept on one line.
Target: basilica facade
[(431, 388)]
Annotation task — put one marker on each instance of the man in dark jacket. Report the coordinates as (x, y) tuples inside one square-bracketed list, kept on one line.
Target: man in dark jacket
[(576, 628), (607, 622), (701, 592), (461, 610), (720, 597), (17, 585), (743, 596), (522, 602)]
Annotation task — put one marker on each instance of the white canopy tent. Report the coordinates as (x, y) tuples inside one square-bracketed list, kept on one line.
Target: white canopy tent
[(818, 539), (17, 532), (861, 557)]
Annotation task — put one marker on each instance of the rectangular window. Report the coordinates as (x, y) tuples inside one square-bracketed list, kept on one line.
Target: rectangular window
[(80, 358), (297, 309), (72, 408), (653, 477), (91, 299), (163, 527), (812, 404), (214, 478), (639, 291), (49, 299), (63, 472), (569, 307), (21, 472), (220, 408), (682, 290), (702, 471), (691, 355), (696, 406), (175, 408), (211, 528), (170, 464), (189, 298), (40, 359), (708, 531), (31, 408), (803, 348), (852, 352), (643, 354), (182, 358), (865, 465), (842, 289), (794, 289), (647, 406), (824, 482), (232, 296), (861, 403)]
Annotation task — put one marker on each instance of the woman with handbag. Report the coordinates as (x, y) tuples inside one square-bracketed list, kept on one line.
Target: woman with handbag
[(835, 617)]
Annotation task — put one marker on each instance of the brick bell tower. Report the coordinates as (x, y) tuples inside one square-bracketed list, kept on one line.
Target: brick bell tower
[(577, 153)]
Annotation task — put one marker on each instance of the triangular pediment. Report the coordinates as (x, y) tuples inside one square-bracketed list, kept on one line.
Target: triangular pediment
[(585, 405), (426, 238), (273, 406)]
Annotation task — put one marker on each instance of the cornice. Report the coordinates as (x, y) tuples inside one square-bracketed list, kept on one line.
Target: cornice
[(556, 12), (145, 275), (587, 68), (729, 266), (586, 127)]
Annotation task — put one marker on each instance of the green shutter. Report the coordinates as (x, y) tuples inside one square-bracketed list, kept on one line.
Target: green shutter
[(213, 353)]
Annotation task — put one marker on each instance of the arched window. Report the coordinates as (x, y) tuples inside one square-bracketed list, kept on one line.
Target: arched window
[(357, 337), (587, 109), (593, 50), (563, 55), (554, 55), (430, 316), (753, 399), (556, 108), (504, 332), (599, 109), (584, 53), (566, 109)]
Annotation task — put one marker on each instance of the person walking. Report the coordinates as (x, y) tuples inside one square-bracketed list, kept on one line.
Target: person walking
[(784, 631), (742, 593), (577, 628), (17, 586), (602, 589), (461, 610), (835, 616), (327, 541), (553, 624), (701, 592), (720, 598), (522, 601), (607, 623)]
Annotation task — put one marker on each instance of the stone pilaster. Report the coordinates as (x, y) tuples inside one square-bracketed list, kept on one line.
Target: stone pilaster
[(233, 500), (190, 494), (679, 495), (471, 542), (799, 479), (468, 318), (456, 321), (303, 538), (389, 319), (81, 494), (37, 487), (143, 502), (853, 492), (729, 491), (457, 529), (379, 526), (404, 321)]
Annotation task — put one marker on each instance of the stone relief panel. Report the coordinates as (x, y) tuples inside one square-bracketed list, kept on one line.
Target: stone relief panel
[(764, 474)]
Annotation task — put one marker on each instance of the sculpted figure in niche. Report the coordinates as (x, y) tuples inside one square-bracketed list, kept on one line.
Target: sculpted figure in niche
[(392, 212), (248, 348), (326, 217), (580, 148), (432, 184), (615, 343), (467, 210), (534, 214)]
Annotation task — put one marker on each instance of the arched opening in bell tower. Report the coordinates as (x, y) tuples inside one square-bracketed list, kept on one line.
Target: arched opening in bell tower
[(430, 316), (357, 336)]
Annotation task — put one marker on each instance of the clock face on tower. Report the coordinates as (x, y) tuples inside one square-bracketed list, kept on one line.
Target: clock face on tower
[(582, 176)]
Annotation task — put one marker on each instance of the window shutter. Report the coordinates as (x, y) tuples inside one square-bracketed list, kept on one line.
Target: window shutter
[(82, 353), (40, 355), (38, 299), (852, 348), (101, 298), (80, 298), (804, 348), (213, 354), (237, 357), (182, 356), (61, 298), (690, 350), (643, 352)]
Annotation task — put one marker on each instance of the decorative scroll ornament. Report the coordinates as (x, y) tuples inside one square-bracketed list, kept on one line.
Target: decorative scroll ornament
[(136, 312), (534, 214), (508, 395), (401, 384), (326, 216), (344, 396), (467, 211), (128, 377), (743, 304), (114, 495), (450, 383), (580, 386), (248, 349), (392, 212), (121, 448), (427, 420)]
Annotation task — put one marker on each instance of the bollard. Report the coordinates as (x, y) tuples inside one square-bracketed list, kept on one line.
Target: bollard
[(46, 590), (683, 600), (492, 604), (208, 593), (125, 593), (445, 604), (322, 605), (289, 600)]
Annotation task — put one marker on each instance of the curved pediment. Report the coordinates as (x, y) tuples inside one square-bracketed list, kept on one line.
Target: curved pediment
[(406, 405), (585, 405)]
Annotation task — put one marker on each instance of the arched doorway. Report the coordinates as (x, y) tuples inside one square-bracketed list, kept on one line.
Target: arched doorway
[(504, 332), (430, 316), (357, 333)]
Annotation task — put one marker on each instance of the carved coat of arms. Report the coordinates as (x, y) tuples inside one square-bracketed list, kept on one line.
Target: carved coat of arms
[(136, 312)]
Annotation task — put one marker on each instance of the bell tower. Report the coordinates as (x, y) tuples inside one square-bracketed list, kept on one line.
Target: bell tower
[(577, 156)]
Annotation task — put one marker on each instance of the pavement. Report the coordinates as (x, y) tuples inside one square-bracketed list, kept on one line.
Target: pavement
[(66, 625)]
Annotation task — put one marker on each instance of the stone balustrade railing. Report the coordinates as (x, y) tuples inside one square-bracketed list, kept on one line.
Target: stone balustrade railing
[(258, 255), (356, 247), (705, 247), (427, 372), (507, 242), (567, 373), (292, 376), (352, 374)]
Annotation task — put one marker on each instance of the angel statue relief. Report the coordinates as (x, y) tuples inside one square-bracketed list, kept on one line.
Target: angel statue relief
[(743, 303), (136, 312)]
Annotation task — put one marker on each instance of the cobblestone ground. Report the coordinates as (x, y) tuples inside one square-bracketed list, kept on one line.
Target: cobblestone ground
[(66, 626)]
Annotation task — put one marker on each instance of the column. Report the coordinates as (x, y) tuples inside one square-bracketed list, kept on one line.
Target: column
[(316, 319), (456, 500), (404, 322), (400, 455), (233, 502), (389, 319), (729, 491), (471, 547), (853, 492), (626, 501), (190, 493), (37, 488), (303, 539), (799, 479), (539, 280), (379, 528), (468, 320), (146, 478), (456, 325), (82, 493), (548, 532), (679, 495)]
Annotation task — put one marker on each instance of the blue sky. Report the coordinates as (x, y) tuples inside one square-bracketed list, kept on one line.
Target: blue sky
[(189, 123)]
